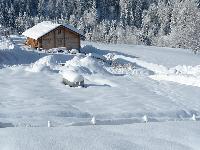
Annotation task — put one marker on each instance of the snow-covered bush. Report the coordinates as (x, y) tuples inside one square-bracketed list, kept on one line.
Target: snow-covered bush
[(58, 50), (74, 51), (42, 64), (72, 78), (6, 43), (86, 65)]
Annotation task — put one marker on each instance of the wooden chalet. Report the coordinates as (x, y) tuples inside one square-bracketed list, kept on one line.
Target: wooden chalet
[(47, 35)]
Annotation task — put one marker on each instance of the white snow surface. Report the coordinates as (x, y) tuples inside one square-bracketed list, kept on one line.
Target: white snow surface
[(130, 86), (150, 136), (45, 27)]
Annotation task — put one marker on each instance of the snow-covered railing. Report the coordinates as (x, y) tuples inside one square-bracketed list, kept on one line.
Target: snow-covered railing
[(123, 121)]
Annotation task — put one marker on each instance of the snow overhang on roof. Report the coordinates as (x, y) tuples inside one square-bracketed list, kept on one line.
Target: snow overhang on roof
[(45, 27)]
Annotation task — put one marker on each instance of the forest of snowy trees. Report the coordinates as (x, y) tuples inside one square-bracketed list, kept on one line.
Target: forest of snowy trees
[(171, 23)]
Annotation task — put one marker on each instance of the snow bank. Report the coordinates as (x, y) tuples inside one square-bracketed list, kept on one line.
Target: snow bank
[(18, 56), (45, 63), (49, 62), (119, 64), (85, 65)]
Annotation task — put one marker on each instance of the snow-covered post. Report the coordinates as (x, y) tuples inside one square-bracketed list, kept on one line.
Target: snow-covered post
[(194, 117), (93, 121), (49, 124), (145, 119), (72, 78)]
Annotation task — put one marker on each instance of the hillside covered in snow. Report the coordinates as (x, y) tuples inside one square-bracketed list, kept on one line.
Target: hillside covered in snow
[(141, 98)]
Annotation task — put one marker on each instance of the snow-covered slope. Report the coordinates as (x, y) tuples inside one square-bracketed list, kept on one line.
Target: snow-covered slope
[(125, 85), (153, 136)]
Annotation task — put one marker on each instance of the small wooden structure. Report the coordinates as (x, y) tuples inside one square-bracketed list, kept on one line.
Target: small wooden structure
[(47, 35)]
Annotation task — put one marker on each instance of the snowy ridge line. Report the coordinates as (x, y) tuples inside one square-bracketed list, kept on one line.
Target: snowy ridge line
[(108, 122), (187, 75)]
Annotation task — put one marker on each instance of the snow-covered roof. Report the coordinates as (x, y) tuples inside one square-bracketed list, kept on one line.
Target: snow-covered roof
[(45, 27)]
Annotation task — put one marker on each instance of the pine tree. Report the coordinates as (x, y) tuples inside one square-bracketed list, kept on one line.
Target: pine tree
[(185, 25)]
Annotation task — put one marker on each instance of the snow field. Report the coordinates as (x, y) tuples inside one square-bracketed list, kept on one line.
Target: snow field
[(153, 136), (128, 102), (125, 92)]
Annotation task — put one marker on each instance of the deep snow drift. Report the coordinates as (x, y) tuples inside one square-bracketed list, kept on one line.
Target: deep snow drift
[(123, 84)]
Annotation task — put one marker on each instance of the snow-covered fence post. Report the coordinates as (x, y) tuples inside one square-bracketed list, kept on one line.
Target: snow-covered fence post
[(194, 117), (93, 121), (145, 119), (49, 124)]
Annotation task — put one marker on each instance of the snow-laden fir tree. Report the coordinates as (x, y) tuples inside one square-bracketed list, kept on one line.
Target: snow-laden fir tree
[(173, 23)]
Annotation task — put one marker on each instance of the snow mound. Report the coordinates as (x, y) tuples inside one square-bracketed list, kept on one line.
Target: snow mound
[(72, 76), (18, 56), (45, 63), (86, 65), (74, 51), (93, 70)]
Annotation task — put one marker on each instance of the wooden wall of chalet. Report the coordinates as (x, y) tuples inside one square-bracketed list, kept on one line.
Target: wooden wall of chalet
[(60, 37), (72, 40)]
